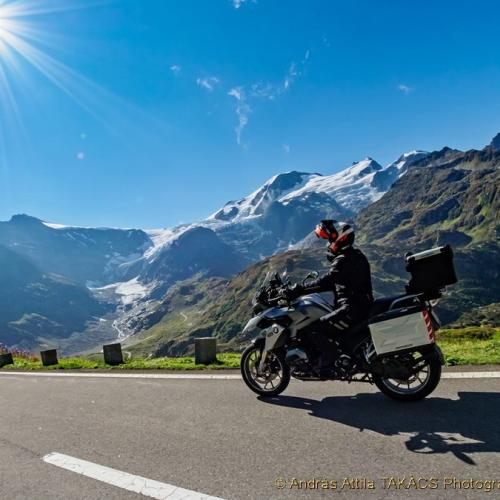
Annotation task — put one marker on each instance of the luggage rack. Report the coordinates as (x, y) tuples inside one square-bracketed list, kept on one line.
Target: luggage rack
[(432, 297), (403, 299)]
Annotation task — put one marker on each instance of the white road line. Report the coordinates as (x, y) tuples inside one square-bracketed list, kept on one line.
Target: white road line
[(189, 376), (201, 376), (124, 480), (470, 375)]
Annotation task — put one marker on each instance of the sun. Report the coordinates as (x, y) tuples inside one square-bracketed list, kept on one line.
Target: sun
[(26, 45), (27, 51), (34, 53)]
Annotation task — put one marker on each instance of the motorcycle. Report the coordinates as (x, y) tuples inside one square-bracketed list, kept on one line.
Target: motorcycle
[(395, 348)]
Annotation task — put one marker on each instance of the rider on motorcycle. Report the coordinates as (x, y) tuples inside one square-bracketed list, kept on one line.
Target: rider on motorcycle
[(349, 279)]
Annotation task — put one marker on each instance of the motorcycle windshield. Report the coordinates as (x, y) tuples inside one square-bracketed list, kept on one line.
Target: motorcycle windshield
[(267, 277), (272, 277)]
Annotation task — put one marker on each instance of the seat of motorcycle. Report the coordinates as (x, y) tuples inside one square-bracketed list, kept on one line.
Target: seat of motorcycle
[(380, 306)]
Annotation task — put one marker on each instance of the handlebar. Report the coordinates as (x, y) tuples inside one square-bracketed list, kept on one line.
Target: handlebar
[(273, 294), (275, 290)]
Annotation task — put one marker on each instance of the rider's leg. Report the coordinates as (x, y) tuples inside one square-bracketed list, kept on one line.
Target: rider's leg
[(347, 324), (339, 326), (341, 322), (324, 340)]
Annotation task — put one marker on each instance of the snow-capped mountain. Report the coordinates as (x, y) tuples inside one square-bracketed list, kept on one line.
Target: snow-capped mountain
[(385, 178), (352, 188), (280, 213), (258, 202)]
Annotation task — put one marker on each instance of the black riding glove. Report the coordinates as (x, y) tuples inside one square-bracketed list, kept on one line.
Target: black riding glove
[(295, 291)]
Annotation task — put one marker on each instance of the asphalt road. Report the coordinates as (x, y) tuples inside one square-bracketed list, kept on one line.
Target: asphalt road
[(216, 437)]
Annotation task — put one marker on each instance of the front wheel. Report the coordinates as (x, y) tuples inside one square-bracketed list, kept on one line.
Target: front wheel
[(275, 377), (417, 387)]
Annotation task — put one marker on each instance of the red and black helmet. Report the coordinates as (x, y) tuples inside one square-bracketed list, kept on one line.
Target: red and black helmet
[(338, 239), (326, 230)]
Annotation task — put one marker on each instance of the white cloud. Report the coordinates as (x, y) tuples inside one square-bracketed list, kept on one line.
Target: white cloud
[(208, 83), (295, 70), (242, 111), (80, 155), (404, 88), (290, 76), (272, 91), (264, 90), (176, 69), (238, 3), (238, 93)]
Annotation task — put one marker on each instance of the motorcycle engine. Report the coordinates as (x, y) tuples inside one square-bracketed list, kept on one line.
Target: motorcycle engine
[(344, 364), (297, 359)]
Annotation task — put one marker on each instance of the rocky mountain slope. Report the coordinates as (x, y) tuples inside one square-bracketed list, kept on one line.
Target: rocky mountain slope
[(495, 143), (36, 306), (450, 198), (80, 254)]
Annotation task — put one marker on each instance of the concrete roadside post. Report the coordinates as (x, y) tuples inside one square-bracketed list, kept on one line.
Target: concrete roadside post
[(205, 350), (113, 354), (6, 359), (49, 357)]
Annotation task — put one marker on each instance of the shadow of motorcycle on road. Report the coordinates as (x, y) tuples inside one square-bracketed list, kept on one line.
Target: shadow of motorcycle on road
[(463, 426)]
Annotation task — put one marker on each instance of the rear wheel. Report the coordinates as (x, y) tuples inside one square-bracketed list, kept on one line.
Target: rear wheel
[(275, 377), (417, 387)]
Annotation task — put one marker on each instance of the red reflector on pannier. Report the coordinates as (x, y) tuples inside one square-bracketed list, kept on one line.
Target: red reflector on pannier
[(428, 324)]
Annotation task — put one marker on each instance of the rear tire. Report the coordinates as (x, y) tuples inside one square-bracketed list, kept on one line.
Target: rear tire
[(390, 389), (277, 376)]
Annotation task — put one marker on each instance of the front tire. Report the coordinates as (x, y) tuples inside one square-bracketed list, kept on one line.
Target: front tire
[(275, 378), (402, 390)]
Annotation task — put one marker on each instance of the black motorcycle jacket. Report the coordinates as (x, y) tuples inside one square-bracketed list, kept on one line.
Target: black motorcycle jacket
[(349, 278)]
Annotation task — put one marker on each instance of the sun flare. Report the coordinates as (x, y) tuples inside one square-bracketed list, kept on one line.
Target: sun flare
[(27, 47), (28, 51), (33, 53)]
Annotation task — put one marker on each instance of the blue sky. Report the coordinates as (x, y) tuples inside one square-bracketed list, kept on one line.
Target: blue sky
[(135, 113)]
